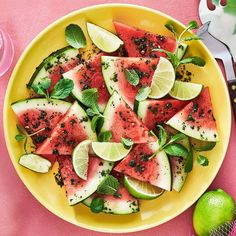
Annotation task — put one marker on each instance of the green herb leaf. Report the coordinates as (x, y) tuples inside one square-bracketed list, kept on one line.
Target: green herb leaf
[(45, 83), (162, 135), (108, 186), (127, 142), (177, 137), (97, 205), (202, 160), (20, 137), (105, 136), (89, 99), (189, 161), (177, 150), (132, 77), (20, 129), (171, 28), (62, 89), (39, 90), (192, 25), (75, 36), (143, 93), (97, 123), (193, 60), (91, 112), (190, 38)]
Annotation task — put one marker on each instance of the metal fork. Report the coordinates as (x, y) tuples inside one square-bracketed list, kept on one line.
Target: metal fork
[(220, 51)]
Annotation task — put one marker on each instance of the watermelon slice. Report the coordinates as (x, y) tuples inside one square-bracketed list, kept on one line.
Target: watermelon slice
[(125, 204), (76, 188), (38, 113), (196, 119), (155, 112), (89, 75), (140, 43), (73, 128), (124, 123), (55, 65), (137, 165), (114, 75)]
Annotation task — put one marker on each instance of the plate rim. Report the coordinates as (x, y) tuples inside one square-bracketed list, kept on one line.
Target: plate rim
[(6, 100)]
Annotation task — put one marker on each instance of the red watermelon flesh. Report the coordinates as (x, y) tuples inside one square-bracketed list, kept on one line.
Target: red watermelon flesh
[(73, 128), (196, 119), (38, 113), (144, 67), (76, 188), (121, 120), (140, 43), (89, 75), (156, 112), (155, 170)]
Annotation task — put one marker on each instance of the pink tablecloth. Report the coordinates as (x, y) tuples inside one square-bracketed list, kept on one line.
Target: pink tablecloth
[(20, 213)]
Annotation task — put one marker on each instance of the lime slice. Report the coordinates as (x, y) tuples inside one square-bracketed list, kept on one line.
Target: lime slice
[(103, 39), (163, 79), (35, 162), (185, 90), (80, 159), (110, 151), (142, 190)]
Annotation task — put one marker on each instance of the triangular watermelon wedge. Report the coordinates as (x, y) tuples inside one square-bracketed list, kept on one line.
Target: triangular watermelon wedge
[(113, 69), (73, 128), (121, 120), (196, 119), (89, 75), (155, 170), (76, 188), (140, 43)]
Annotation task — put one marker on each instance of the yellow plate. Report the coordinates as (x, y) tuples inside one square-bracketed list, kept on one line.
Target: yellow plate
[(152, 213)]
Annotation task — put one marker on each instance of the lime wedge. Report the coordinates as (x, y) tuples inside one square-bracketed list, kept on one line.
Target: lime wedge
[(185, 90), (110, 151), (80, 159), (103, 39), (163, 79), (35, 162), (142, 190)]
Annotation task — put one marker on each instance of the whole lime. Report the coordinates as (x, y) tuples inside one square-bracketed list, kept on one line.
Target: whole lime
[(213, 209)]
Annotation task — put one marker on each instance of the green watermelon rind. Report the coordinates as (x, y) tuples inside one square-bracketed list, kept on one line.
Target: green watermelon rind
[(40, 103), (118, 206), (41, 72), (80, 196)]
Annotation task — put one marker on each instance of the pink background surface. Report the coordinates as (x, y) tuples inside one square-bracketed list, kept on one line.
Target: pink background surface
[(21, 214)]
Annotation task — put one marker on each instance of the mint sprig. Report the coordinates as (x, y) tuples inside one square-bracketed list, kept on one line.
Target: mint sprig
[(89, 99), (132, 77), (127, 142), (173, 56), (202, 160), (108, 186), (97, 205), (143, 93)]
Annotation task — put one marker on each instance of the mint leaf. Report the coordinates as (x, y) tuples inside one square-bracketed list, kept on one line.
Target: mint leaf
[(97, 205), (20, 137), (189, 161), (39, 90), (190, 38), (45, 83), (193, 60), (75, 36), (105, 136), (97, 123), (132, 77), (177, 150), (62, 89), (177, 137), (108, 186), (202, 160), (127, 142), (91, 112), (171, 28), (143, 93), (162, 135), (89, 99), (192, 25)]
